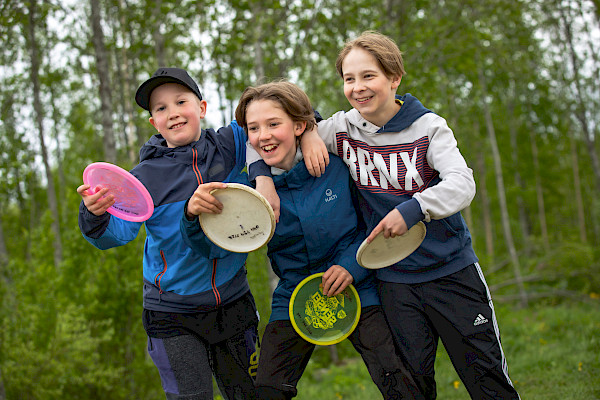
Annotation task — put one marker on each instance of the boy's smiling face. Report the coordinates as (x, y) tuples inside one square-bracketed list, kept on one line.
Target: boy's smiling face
[(272, 133), (367, 88), (176, 114)]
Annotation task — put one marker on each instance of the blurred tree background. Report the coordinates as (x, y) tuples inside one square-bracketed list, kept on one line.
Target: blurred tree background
[(518, 82)]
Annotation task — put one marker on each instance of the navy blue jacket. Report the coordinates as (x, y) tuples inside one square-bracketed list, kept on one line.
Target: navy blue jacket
[(177, 278), (317, 228)]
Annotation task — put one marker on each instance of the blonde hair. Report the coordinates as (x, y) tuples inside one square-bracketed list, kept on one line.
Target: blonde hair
[(382, 47), (292, 100)]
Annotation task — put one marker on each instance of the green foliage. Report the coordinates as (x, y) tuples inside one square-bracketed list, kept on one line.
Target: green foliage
[(73, 330), (258, 267), (350, 380)]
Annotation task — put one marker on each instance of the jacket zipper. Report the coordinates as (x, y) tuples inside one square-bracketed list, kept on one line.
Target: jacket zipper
[(214, 268), (195, 166), (213, 284), (159, 276)]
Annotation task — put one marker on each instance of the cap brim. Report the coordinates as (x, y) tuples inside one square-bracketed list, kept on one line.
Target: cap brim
[(142, 96)]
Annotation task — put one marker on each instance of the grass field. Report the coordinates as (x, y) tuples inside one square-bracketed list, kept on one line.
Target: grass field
[(553, 353)]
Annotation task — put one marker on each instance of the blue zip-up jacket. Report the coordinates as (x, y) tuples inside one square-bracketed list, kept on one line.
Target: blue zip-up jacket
[(177, 278), (317, 228)]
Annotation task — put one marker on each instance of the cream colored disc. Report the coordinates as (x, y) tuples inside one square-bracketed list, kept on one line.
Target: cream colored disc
[(382, 252), (246, 223)]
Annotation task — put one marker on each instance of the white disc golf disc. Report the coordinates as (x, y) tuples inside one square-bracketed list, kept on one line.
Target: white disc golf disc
[(382, 252), (246, 222)]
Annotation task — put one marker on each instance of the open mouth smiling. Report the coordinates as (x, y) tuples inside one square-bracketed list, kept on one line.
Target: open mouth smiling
[(177, 126), (269, 148)]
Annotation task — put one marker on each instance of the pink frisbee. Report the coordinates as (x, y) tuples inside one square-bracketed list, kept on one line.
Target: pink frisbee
[(132, 200)]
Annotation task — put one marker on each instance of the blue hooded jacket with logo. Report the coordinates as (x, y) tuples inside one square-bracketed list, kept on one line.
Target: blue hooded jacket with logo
[(317, 228), (177, 278)]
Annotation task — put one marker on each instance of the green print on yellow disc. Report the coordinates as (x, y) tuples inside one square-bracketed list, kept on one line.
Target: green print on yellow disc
[(320, 319)]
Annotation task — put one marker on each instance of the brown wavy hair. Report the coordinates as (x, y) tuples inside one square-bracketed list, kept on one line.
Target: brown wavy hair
[(292, 100)]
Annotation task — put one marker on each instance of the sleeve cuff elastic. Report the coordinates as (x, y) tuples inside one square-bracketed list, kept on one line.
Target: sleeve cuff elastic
[(411, 212)]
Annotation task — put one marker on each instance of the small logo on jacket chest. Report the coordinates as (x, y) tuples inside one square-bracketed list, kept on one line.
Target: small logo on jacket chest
[(329, 195)]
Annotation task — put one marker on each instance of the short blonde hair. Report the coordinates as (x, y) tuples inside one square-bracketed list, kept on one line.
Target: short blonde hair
[(382, 47), (292, 100)]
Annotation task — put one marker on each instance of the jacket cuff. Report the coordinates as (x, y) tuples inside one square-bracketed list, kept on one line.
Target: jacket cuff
[(411, 212)]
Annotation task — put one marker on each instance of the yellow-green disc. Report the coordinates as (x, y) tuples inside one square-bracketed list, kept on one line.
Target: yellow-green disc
[(320, 319)]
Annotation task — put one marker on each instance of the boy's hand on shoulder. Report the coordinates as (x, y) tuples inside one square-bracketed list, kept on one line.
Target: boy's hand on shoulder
[(316, 156), (202, 201), (391, 225), (335, 280), (266, 187), (96, 203)]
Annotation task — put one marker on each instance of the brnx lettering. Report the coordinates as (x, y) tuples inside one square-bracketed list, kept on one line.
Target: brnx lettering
[(361, 168)]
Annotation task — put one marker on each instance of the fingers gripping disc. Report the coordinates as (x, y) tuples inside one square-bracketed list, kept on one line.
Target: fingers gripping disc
[(382, 252), (320, 319), (132, 200), (246, 223)]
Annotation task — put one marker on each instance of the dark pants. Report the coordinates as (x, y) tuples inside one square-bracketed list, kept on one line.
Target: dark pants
[(284, 356), (458, 310), (190, 348), (185, 364)]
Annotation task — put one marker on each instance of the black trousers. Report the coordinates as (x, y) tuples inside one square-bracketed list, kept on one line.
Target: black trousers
[(457, 309), (284, 356), (189, 349)]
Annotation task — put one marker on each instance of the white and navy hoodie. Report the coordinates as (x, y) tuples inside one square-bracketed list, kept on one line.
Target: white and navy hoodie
[(411, 163), (177, 278)]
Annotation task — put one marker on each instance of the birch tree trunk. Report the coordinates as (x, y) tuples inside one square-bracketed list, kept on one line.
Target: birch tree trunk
[(125, 76), (577, 190), (539, 191), (482, 191), (157, 36), (4, 275), (582, 110), (59, 158), (501, 191), (257, 32), (521, 206), (102, 69), (39, 121)]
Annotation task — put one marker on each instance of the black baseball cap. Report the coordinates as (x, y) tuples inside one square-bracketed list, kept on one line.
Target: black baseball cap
[(162, 76)]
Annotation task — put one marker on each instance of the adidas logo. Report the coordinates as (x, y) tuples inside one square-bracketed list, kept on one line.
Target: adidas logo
[(480, 320)]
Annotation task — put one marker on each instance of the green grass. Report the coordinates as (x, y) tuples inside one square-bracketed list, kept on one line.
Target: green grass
[(553, 352)]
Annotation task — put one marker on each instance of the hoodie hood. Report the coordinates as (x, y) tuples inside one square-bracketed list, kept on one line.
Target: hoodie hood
[(156, 147), (411, 110)]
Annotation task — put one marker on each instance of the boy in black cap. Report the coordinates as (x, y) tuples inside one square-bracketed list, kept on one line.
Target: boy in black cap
[(199, 313)]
